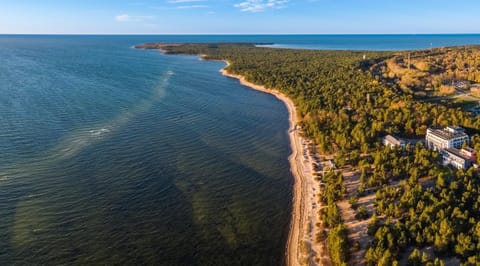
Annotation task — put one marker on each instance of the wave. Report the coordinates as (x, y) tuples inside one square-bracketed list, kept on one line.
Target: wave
[(83, 138), (99, 132)]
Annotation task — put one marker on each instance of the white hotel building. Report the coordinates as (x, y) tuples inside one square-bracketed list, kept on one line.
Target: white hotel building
[(449, 137)]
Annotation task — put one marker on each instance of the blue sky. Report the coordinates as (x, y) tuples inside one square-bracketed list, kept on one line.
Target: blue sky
[(238, 16)]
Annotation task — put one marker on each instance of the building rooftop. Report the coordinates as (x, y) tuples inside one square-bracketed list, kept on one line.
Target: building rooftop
[(447, 135), (457, 153), (394, 140), (454, 129)]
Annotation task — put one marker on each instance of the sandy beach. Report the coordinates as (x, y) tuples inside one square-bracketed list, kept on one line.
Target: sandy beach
[(302, 247)]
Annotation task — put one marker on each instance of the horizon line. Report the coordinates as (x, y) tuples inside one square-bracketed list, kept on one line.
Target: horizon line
[(239, 34)]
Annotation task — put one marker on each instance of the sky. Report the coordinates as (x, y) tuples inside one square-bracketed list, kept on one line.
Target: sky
[(239, 16)]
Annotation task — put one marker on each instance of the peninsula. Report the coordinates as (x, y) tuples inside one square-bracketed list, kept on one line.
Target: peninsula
[(355, 200)]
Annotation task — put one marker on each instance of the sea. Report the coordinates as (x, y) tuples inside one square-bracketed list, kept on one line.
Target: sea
[(114, 155)]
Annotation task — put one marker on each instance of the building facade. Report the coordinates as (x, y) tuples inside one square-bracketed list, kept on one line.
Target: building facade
[(460, 159), (449, 137), (392, 142)]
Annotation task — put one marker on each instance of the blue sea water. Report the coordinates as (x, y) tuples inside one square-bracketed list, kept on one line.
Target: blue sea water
[(112, 155), (375, 42)]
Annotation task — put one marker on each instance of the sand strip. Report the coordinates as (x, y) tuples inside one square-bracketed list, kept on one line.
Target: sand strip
[(302, 247), (304, 208)]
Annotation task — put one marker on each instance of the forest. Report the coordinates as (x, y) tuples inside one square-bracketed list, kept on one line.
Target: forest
[(424, 213)]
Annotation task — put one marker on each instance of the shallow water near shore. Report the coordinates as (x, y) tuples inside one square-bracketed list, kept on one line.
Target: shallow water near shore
[(110, 154)]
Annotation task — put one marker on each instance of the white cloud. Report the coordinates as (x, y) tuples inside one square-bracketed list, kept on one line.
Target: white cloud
[(122, 18), (128, 18), (261, 5)]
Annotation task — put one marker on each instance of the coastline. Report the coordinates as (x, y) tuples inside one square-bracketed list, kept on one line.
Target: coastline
[(303, 230), (303, 245), (297, 217)]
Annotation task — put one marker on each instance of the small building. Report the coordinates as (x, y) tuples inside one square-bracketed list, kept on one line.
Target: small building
[(392, 142), (449, 137), (459, 158)]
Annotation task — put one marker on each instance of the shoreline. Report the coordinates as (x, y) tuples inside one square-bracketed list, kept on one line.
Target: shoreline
[(297, 221), (304, 217), (302, 247)]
